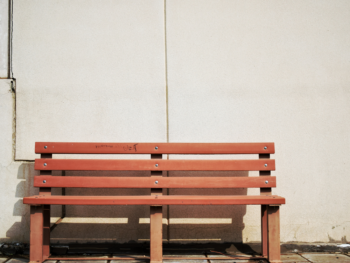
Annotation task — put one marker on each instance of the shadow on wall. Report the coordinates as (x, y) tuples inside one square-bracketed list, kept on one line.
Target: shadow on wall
[(19, 231), (130, 224), (207, 224), (104, 224)]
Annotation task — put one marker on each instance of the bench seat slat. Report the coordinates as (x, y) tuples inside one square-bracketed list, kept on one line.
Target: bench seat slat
[(154, 165), (155, 200), (149, 182), (150, 148)]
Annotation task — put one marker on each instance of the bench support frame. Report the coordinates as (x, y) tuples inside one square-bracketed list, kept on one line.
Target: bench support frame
[(156, 251), (46, 231), (264, 231), (270, 218), (40, 233), (274, 246), (36, 234), (156, 220)]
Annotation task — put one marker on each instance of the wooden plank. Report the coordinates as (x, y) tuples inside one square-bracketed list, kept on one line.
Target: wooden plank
[(150, 165), (274, 248), (264, 216), (156, 217), (264, 231), (45, 190), (156, 234), (153, 148), (36, 234), (154, 182), (266, 190), (46, 231), (155, 200)]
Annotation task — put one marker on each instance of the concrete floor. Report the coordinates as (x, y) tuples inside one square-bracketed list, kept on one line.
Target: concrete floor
[(286, 258)]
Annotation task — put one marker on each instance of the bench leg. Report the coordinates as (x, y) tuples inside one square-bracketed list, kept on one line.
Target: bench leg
[(274, 246), (46, 233), (36, 234), (264, 231), (156, 250)]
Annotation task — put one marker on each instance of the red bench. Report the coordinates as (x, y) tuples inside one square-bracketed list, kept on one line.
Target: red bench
[(40, 204)]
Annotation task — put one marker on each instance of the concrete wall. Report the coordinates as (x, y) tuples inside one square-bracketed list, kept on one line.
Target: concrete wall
[(4, 38), (183, 71)]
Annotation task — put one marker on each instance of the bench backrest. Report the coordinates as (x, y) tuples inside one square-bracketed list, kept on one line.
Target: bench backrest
[(156, 165)]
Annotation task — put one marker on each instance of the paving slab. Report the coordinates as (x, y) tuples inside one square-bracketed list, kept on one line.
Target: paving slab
[(235, 259), (3, 259), (317, 257), (84, 261), (18, 260), (291, 258), (204, 260), (128, 260), (184, 255)]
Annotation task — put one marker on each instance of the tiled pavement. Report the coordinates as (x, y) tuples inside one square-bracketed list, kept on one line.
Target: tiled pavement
[(286, 258)]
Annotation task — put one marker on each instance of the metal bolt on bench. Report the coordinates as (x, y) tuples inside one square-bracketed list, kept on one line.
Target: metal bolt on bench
[(40, 204)]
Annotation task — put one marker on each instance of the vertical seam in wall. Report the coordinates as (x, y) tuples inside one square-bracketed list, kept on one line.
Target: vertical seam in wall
[(14, 119), (166, 76), (9, 37), (13, 81), (166, 109)]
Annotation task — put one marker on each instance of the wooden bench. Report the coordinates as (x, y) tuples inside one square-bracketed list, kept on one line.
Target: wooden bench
[(40, 204)]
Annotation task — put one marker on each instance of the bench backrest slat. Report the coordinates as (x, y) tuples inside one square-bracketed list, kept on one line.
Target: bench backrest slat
[(149, 182), (154, 148), (153, 165)]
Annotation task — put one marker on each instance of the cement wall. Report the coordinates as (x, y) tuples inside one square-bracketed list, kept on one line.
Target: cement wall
[(4, 38), (183, 71)]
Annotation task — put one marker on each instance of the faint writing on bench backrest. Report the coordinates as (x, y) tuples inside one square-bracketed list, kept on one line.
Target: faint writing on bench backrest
[(130, 147), (104, 146), (126, 148)]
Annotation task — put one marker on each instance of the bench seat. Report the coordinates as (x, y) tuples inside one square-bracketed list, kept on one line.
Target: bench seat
[(156, 200)]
